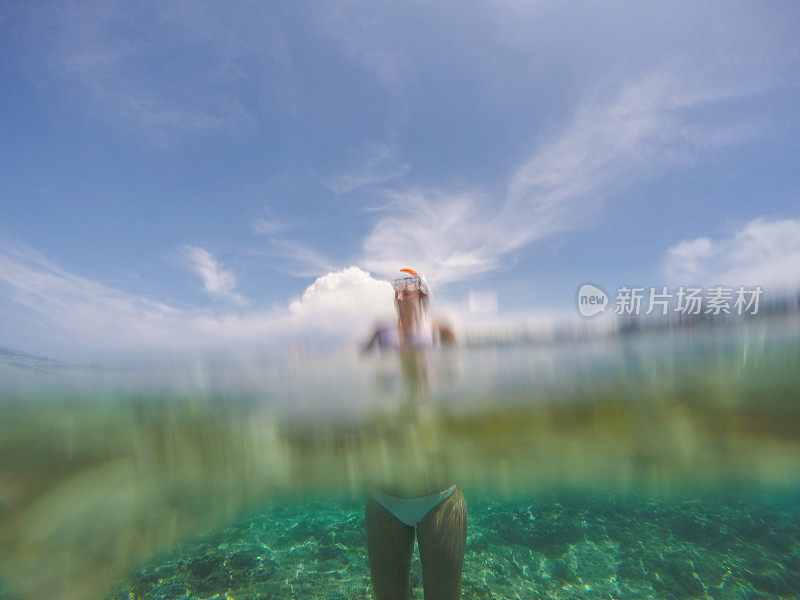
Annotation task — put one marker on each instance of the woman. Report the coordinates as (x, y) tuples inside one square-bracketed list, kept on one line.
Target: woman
[(421, 503)]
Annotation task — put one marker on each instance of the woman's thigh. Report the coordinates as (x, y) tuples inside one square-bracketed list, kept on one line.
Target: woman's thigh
[(442, 536), (390, 544)]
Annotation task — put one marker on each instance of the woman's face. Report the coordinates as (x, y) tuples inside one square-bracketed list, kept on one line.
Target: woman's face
[(407, 301), (408, 294)]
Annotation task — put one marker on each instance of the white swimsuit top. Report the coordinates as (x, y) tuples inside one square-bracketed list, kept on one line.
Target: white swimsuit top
[(421, 336), (389, 336)]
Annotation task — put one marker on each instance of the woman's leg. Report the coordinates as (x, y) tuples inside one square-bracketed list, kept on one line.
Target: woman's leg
[(390, 544), (442, 536)]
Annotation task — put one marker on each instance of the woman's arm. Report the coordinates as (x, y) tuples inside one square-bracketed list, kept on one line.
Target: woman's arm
[(372, 341), (446, 335)]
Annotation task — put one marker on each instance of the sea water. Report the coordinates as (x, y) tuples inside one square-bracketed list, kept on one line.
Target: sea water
[(660, 464)]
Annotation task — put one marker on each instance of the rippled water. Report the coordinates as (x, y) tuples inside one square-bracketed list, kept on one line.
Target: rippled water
[(580, 458)]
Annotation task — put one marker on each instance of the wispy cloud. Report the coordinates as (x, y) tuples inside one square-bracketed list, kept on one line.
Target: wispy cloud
[(307, 261), (560, 187), (103, 319), (296, 259), (368, 45), (88, 311), (376, 163), (442, 233), (218, 282), (763, 252), (267, 227), (166, 69)]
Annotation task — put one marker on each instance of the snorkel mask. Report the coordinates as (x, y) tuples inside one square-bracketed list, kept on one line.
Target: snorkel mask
[(414, 282)]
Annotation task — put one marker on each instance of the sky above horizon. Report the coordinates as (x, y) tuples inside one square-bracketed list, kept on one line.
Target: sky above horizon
[(188, 176)]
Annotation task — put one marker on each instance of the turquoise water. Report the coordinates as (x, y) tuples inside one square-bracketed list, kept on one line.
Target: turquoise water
[(547, 546), (655, 465)]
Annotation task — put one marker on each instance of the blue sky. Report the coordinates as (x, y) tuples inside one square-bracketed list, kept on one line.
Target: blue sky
[(197, 175)]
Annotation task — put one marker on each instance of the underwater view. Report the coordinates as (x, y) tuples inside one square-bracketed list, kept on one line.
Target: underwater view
[(661, 465)]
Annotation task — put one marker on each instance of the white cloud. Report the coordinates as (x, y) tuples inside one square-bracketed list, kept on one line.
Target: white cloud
[(103, 321), (218, 282), (453, 234), (687, 260), (341, 301), (763, 252), (262, 226)]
